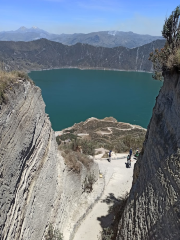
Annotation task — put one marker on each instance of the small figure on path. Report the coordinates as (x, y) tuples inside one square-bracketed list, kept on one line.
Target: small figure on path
[(137, 153), (110, 153), (128, 165), (130, 152)]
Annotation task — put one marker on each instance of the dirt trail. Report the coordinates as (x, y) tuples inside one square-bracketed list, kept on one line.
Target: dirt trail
[(118, 182)]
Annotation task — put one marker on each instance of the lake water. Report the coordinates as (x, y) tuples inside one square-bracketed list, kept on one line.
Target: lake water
[(73, 95)]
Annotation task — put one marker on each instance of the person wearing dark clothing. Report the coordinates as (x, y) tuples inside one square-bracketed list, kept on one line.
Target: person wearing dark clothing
[(128, 161), (110, 155), (130, 152)]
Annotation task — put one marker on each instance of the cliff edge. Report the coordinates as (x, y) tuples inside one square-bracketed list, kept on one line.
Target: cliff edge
[(153, 208), (36, 187)]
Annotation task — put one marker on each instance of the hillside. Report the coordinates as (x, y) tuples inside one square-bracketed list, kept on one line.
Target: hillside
[(105, 133), (45, 54), (107, 39)]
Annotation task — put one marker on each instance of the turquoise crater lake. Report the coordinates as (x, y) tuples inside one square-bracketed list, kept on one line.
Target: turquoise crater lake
[(73, 95)]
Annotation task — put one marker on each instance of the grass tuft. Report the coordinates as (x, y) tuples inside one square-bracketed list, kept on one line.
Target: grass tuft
[(7, 78)]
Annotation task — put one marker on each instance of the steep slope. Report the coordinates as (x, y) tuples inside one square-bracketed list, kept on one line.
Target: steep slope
[(36, 188), (45, 54), (153, 208)]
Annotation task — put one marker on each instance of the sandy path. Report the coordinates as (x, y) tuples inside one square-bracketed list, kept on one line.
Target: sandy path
[(118, 183)]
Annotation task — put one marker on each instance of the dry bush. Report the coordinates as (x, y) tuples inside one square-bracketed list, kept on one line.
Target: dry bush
[(88, 183), (75, 160), (7, 78), (173, 60), (53, 234)]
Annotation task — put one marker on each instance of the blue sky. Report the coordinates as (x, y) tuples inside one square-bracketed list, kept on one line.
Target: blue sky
[(71, 16)]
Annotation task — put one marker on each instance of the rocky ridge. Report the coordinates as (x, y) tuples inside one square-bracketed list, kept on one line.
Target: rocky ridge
[(35, 185), (153, 208), (101, 38), (44, 54)]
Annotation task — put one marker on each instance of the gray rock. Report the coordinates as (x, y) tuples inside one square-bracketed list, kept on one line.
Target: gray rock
[(36, 188), (153, 208)]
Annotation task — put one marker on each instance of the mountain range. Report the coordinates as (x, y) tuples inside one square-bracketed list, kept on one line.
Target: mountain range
[(102, 38), (46, 54)]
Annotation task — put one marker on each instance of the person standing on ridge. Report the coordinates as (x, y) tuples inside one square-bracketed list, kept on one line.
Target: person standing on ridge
[(130, 152)]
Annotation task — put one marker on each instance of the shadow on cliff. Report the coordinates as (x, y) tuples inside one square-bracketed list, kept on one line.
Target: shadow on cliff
[(116, 208)]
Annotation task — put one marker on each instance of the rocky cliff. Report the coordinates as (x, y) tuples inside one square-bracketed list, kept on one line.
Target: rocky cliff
[(45, 54), (153, 208), (36, 188)]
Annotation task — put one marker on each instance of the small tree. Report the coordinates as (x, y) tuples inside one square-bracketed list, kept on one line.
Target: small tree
[(168, 57), (171, 29)]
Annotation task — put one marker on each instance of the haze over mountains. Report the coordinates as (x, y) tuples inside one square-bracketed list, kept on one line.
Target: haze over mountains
[(108, 39)]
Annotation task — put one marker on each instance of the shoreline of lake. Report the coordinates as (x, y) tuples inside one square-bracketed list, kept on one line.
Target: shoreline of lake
[(90, 68)]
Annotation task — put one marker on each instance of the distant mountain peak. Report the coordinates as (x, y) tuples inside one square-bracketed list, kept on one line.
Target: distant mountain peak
[(34, 27), (22, 28)]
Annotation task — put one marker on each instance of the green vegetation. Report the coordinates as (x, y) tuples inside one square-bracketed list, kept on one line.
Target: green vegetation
[(53, 234), (117, 142), (87, 146), (123, 143), (67, 136), (168, 58), (6, 79)]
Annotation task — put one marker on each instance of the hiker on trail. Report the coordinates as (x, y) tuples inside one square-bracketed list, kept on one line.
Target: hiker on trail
[(110, 154), (130, 152), (137, 153), (128, 161)]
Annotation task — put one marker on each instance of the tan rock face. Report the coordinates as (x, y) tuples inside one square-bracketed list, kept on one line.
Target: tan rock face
[(153, 208), (34, 182)]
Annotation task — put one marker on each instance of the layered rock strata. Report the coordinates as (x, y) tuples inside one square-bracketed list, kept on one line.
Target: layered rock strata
[(153, 208), (36, 188)]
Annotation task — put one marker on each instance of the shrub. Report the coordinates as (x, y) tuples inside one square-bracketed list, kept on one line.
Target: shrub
[(67, 136), (88, 147), (168, 58), (88, 183), (53, 234), (75, 160), (58, 140), (6, 78)]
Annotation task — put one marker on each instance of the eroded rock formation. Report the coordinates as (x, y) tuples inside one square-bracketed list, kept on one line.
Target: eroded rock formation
[(153, 208), (36, 188)]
